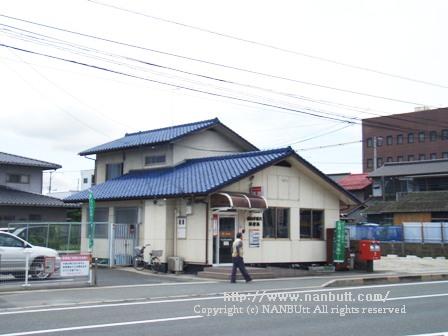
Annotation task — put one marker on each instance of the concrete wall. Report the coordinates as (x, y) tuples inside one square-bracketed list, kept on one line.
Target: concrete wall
[(417, 249), (35, 174)]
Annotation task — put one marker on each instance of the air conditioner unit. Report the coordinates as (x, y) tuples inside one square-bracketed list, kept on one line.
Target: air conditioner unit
[(175, 264)]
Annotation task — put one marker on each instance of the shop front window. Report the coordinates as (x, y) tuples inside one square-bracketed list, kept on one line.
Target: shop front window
[(276, 223)]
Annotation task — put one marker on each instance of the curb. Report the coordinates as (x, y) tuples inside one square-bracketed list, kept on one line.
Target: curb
[(390, 279)]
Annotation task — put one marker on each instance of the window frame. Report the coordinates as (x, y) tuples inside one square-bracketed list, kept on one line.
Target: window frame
[(369, 142), (109, 165), (275, 222), (444, 134), (421, 136), (21, 178), (432, 136), (156, 159), (411, 138), (389, 140), (400, 139), (312, 224)]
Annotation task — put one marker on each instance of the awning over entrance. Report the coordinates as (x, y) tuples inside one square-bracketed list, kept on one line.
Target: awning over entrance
[(232, 200)]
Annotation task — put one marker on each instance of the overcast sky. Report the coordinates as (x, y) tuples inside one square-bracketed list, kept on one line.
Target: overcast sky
[(341, 60)]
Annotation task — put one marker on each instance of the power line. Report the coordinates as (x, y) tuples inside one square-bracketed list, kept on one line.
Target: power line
[(349, 120), (220, 65), (376, 123), (270, 46)]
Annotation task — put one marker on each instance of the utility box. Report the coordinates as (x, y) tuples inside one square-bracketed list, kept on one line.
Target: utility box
[(175, 264)]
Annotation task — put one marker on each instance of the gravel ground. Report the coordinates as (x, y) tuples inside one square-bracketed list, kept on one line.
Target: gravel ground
[(411, 264)]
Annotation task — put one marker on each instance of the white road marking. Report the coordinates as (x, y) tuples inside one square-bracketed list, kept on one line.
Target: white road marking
[(96, 326), (442, 333), (416, 297), (115, 286), (255, 292)]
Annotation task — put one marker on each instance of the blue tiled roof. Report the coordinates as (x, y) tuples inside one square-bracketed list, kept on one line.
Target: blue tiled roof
[(11, 159), (152, 137), (193, 177)]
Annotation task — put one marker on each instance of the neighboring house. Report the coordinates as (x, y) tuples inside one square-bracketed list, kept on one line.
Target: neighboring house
[(420, 135), (87, 179), (21, 196), (188, 189), (410, 192), (359, 185)]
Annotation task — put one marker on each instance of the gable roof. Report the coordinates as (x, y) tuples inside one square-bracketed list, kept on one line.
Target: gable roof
[(161, 136), (16, 160), (407, 168), (355, 181), (193, 177), (14, 197)]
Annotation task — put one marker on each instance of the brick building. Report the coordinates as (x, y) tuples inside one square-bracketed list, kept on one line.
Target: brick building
[(420, 135)]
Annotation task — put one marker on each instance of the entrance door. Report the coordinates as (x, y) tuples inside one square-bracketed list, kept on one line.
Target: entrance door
[(226, 237)]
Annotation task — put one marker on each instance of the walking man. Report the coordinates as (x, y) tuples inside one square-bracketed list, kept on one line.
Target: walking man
[(237, 258)]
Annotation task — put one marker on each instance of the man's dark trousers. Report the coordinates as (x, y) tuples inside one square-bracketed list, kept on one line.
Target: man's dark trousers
[(238, 262)]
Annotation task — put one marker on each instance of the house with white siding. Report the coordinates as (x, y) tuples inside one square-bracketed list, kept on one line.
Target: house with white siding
[(188, 189)]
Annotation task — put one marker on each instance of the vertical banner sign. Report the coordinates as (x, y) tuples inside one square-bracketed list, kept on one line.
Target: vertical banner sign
[(339, 242), (91, 219)]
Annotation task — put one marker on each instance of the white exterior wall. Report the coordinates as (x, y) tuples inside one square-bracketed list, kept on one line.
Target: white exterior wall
[(203, 144), (296, 189)]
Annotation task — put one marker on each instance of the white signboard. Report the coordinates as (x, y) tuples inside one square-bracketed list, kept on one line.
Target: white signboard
[(254, 238), (75, 265), (181, 227)]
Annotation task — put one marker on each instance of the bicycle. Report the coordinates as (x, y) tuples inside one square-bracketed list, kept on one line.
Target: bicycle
[(139, 262)]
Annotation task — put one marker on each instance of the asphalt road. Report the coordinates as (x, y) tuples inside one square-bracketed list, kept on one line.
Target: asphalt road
[(280, 307)]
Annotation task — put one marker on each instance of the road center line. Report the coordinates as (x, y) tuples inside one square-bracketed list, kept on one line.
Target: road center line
[(96, 326)]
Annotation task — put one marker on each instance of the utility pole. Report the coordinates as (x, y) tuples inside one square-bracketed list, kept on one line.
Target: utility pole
[(49, 184)]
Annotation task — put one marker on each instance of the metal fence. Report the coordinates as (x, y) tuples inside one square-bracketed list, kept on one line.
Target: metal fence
[(415, 232), (64, 237)]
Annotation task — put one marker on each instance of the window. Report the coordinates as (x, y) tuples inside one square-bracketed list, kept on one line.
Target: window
[(421, 136), (311, 224), (410, 137), (126, 215), (155, 159), (410, 157), (9, 241), (399, 139), (85, 180), (379, 162), (276, 223), (433, 136), (369, 163), (444, 134), (101, 219), (422, 157), (445, 155), (17, 178), (113, 170), (389, 159), (389, 140), (369, 142), (400, 158), (379, 141), (433, 156)]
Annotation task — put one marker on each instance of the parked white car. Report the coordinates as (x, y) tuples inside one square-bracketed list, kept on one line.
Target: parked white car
[(13, 254)]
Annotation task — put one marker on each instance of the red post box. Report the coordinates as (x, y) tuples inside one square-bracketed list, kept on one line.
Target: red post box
[(369, 250)]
